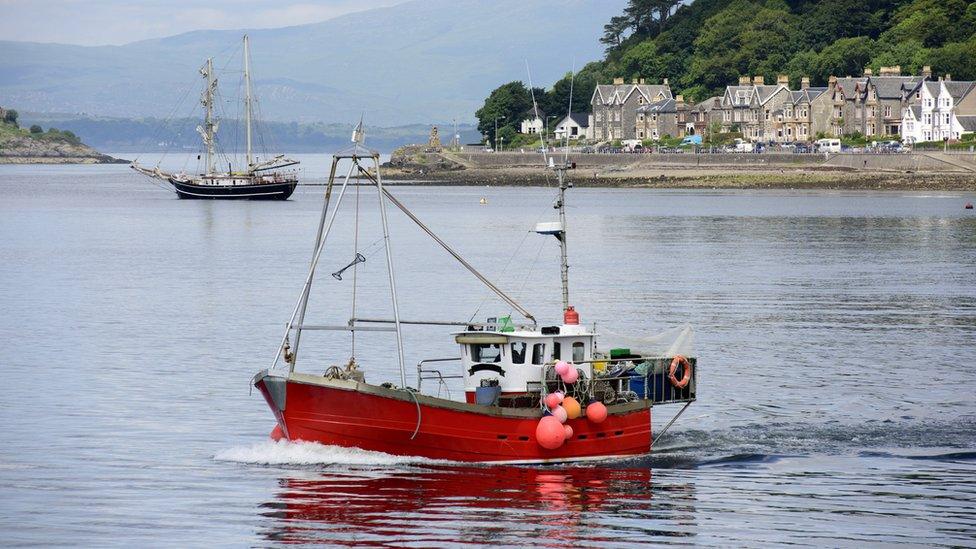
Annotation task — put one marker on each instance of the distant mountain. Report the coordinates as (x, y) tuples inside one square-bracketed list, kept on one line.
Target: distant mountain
[(422, 61)]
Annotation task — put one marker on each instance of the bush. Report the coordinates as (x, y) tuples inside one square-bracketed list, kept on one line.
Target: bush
[(36, 129), (11, 117)]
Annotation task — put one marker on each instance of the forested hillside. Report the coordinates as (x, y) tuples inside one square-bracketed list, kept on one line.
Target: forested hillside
[(704, 45)]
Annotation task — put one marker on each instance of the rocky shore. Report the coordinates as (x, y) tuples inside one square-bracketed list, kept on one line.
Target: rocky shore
[(688, 171), (29, 150)]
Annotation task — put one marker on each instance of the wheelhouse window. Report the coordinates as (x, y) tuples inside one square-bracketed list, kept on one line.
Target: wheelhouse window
[(486, 352), (518, 352), (556, 351), (579, 351), (539, 354)]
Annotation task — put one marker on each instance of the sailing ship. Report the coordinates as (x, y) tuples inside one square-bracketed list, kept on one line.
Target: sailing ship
[(532, 393), (257, 180)]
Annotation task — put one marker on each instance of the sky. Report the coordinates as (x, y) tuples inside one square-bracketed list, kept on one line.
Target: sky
[(114, 22)]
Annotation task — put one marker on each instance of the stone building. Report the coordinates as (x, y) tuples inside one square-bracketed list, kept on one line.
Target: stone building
[(872, 105), (614, 107)]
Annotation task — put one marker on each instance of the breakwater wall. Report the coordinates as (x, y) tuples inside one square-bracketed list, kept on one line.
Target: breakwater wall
[(905, 162)]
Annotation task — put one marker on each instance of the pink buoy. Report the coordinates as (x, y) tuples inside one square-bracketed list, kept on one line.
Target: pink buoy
[(596, 412), (549, 433), (571, 376), (561, 394), (560, 414), (552, 400), (569, 431), (562, 367)]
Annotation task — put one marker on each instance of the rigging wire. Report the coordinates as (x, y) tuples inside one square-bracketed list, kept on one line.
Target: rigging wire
[(355, 270)]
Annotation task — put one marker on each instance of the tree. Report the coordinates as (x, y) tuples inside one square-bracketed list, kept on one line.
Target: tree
[(10, 117), (36, 129), (845, 57), (506, 104), (614, 30)]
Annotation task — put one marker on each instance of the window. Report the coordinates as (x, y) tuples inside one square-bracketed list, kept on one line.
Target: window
[(518, 352), (887, 111), (556, 351), (640, 100), (579, 350), (640, 134), (640, 117), (539, 354), (945, 118), (599, 117), (483, 352)]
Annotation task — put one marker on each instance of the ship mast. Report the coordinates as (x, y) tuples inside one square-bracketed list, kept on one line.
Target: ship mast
[(561, 204), (247, 101), (209, 124)]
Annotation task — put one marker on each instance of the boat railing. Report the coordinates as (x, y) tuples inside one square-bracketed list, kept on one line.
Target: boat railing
[(435, 374), (637, 378)]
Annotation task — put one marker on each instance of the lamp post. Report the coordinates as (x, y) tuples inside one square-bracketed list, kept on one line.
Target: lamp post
[(497, 118), (547, 123), (503, 143)]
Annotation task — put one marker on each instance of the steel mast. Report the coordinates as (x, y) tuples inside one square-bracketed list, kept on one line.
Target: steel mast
[(247, 100)]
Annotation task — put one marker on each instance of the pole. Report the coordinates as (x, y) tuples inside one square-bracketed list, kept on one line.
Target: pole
[(564, 262), (208, 121), (389, 268), (247, 99)]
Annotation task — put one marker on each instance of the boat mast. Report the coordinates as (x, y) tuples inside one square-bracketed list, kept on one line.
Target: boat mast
[(564, 261), (247, 100), (209, 126)]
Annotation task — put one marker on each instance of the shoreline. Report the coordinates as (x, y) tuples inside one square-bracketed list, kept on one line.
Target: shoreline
[(694, 179), (923, 172), (53, 160)]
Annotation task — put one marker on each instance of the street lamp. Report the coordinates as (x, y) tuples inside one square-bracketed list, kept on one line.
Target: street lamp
[(547, 123), (503, 143), (497, 118)]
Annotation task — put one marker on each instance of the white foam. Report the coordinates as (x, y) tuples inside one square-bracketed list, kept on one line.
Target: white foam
[(284, 452)]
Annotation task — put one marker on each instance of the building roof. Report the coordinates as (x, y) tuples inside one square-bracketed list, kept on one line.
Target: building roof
[(916, 111), (662, 106), (740, 100), (766, 91), (958, 89), (968, 123), (581, 119), (618, 93), (531, 114), (850, 85), (710, 104), (891, 87)]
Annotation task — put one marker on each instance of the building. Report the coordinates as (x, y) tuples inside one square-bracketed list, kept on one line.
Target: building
[(665, 118), (940, 110), (703, 115), (533, 122), (872, 105), (614, 107), (749, 106), (576, 125), (804, 115)]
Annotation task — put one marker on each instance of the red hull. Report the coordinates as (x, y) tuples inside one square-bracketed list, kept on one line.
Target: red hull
[(347, 414)]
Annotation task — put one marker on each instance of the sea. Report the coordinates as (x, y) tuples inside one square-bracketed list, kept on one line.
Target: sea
[(835, 334)]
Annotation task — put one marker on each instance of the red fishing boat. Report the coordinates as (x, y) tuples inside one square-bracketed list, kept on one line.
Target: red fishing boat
[(533, 393)]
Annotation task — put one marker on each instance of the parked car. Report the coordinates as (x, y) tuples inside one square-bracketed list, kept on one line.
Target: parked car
[(827, 145)]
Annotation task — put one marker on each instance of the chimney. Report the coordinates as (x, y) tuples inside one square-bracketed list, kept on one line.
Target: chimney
[(869, 72), (783, 80), (948, 77), (633, 81), (804, 82), (758, 80), (680, 99), (743, 80), (640, 81), (926, 72), (618, 81), (896, 70), (666, 82)]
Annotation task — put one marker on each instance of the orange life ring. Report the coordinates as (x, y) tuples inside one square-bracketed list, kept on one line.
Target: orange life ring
[(686, 378)]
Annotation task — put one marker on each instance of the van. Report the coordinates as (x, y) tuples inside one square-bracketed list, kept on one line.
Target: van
[(827, 145), (743, 146)]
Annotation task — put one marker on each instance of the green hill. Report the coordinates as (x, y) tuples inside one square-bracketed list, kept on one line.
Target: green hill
[(35, 145), (704, 45)]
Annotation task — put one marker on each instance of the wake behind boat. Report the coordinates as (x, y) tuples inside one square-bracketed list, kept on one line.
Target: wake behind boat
[(531, 393), (257, 180)]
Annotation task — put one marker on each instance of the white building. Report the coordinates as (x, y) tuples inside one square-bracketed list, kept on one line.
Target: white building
[(533, 122), (940, 110), (576, 124)]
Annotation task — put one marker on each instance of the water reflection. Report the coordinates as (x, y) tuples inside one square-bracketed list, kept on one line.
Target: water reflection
[(492, 505)]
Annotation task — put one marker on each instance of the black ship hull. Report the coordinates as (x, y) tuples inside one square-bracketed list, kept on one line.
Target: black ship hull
[(258, 191)]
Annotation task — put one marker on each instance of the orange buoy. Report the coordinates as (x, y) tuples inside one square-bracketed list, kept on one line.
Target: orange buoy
[(596, 412), (549, 433), (572, 407), (686, 378)]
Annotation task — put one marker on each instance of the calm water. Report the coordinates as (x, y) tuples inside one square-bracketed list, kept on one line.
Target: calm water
[(836, 335)]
